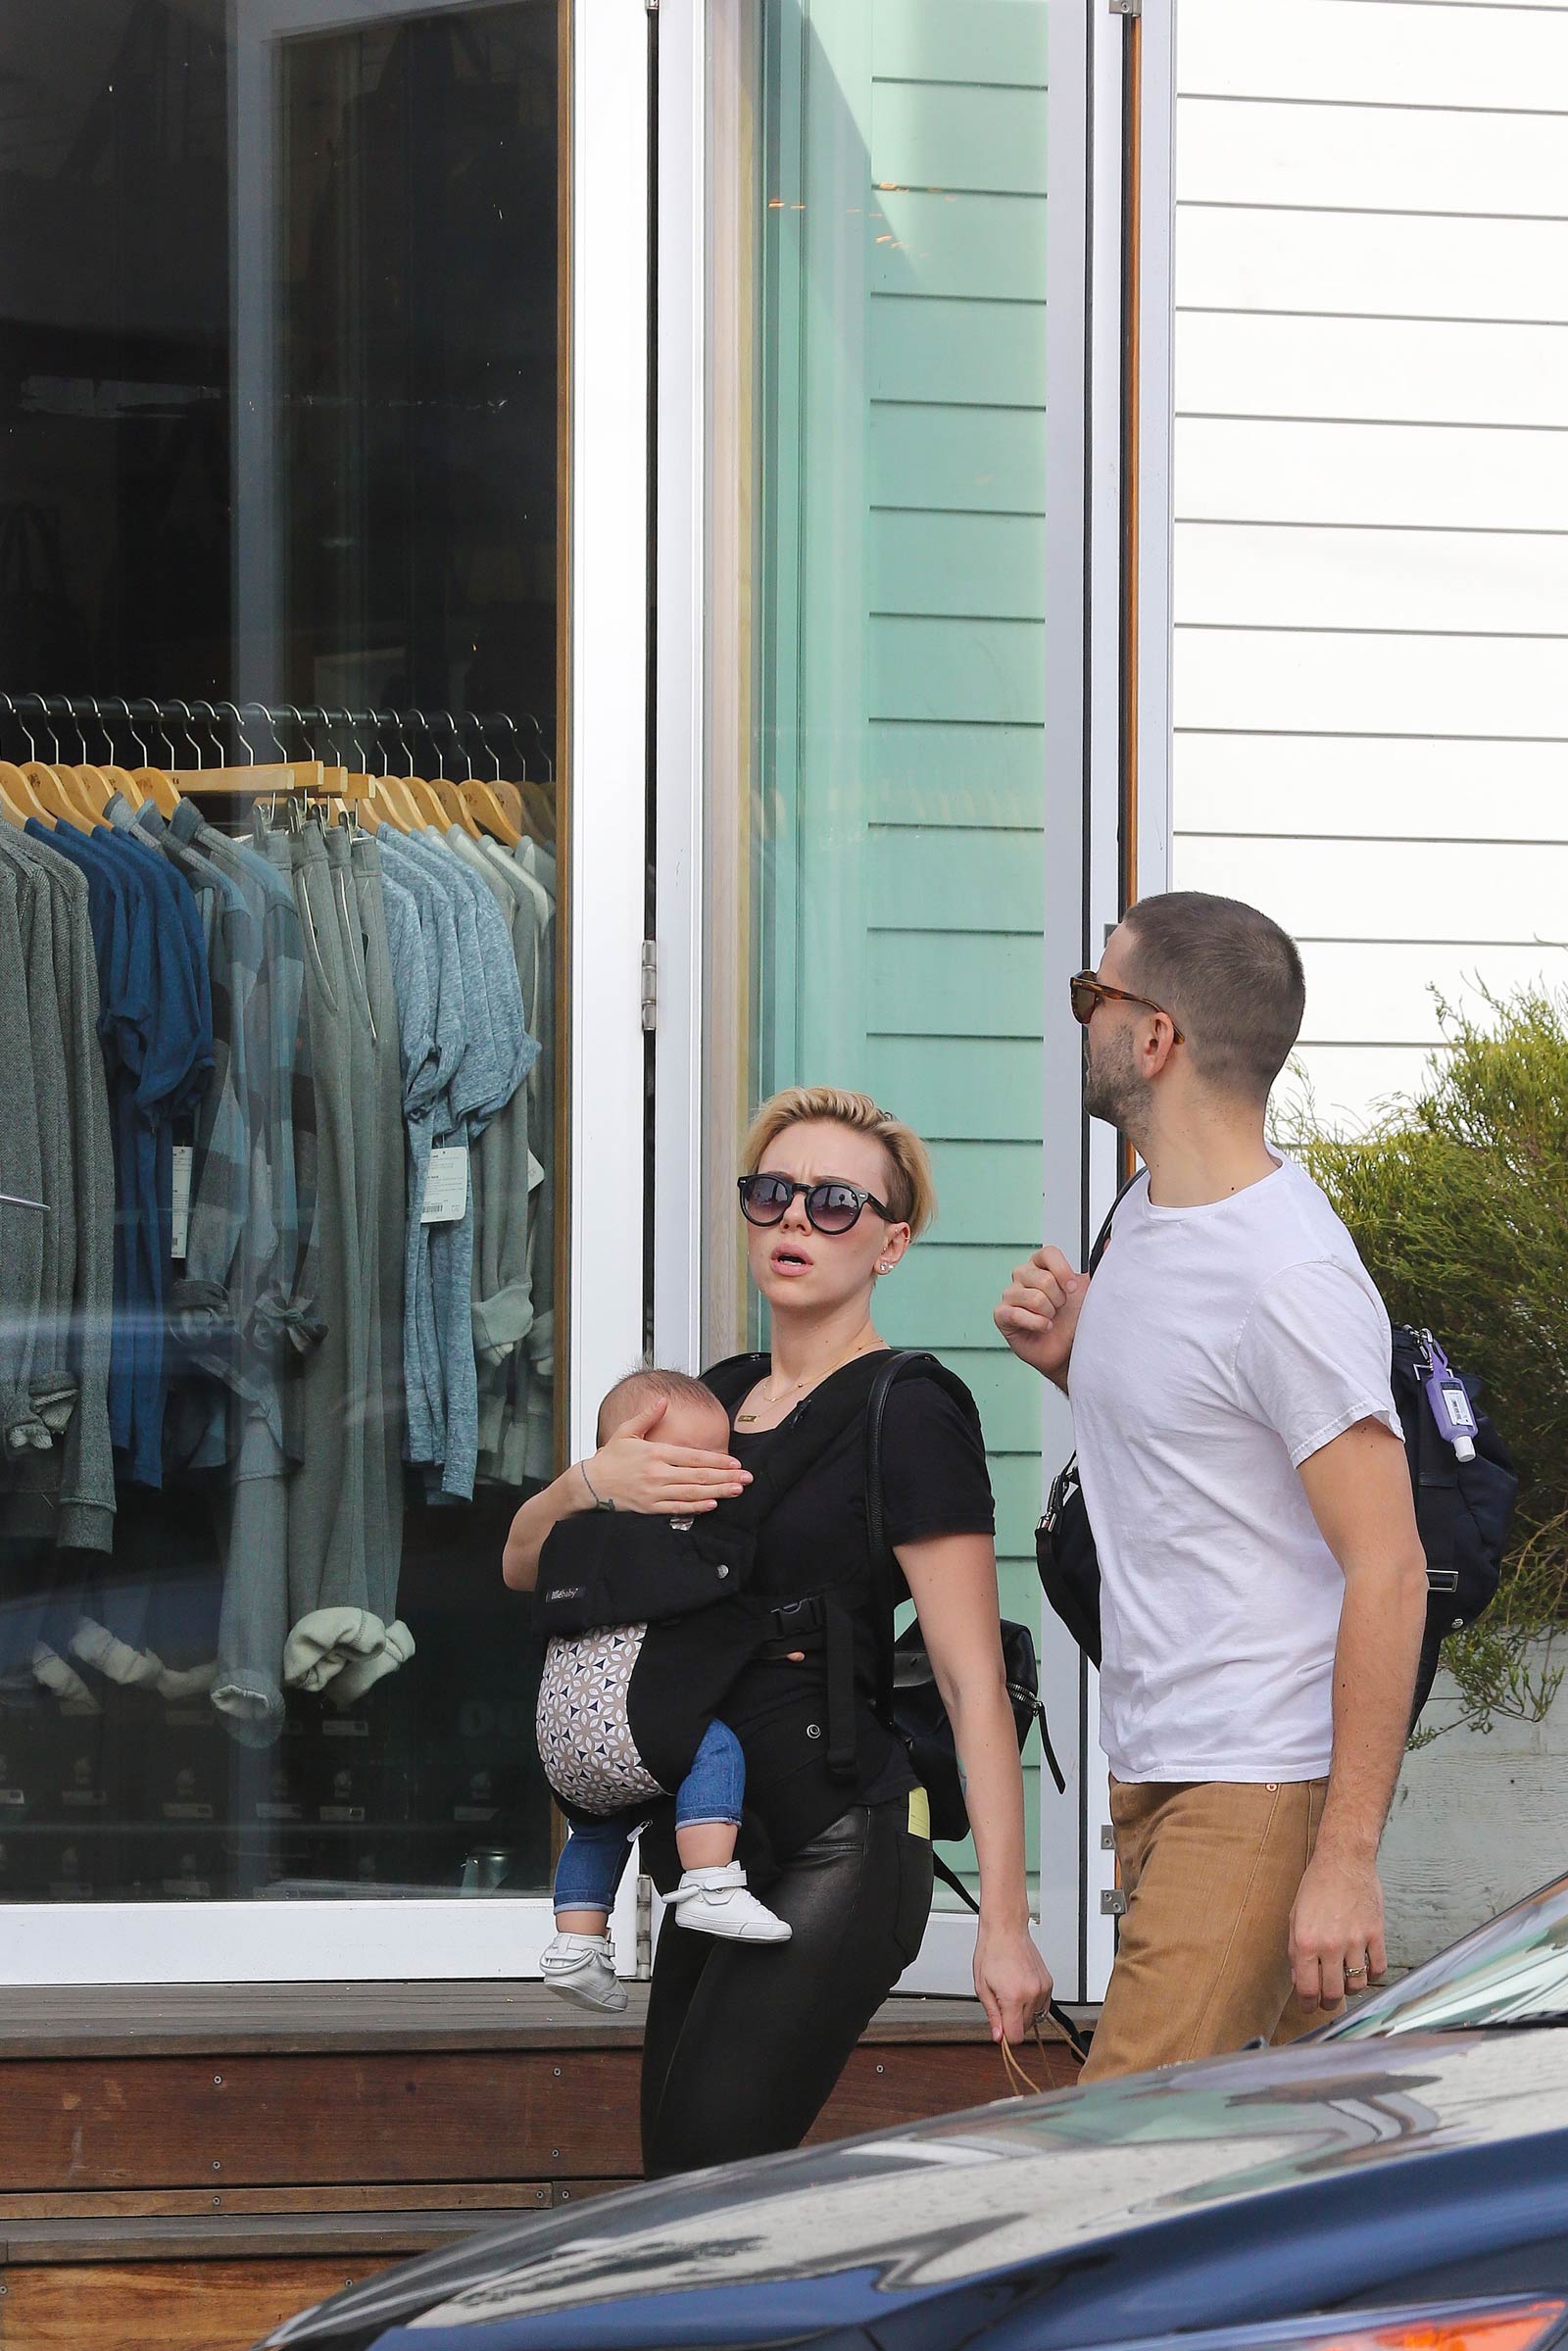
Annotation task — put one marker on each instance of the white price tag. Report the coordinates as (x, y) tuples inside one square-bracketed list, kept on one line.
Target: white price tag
[(446, 1185), (184, 1160)]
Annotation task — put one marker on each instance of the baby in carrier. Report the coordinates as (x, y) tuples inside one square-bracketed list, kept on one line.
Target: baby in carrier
[(592, 1760)]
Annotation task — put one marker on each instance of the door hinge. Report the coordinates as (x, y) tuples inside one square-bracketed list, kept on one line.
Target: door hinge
[(1126, 8), (645, 1930), (649, 995), (1113, 1903), (1107, 1837)]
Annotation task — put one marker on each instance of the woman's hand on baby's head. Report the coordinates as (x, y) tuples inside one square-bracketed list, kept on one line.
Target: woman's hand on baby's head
[(638, 1470)]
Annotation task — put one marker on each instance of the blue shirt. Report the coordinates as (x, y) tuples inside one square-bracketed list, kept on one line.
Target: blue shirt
[(154, 1024)]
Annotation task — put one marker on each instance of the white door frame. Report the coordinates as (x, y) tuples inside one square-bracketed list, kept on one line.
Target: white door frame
[(1088, 684), (502, 1937)]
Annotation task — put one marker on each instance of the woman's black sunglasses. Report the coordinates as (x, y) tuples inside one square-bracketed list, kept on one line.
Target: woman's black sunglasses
[(830, 1207)]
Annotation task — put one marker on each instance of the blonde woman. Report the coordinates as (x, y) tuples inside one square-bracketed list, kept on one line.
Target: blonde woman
[(742, 2054)]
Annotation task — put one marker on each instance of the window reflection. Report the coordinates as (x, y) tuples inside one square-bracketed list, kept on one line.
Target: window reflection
[(279, 564)]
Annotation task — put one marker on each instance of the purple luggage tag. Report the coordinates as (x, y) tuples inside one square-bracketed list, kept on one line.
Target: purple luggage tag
[(1451, 1407)]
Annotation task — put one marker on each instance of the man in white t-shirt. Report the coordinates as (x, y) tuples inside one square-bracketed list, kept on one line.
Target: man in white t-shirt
[(1263, 1588)]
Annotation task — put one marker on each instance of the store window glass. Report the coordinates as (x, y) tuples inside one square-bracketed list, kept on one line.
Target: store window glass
[(897, 860), (280, 625)]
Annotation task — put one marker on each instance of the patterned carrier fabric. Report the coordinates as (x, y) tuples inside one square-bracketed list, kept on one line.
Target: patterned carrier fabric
[(585, 1741)]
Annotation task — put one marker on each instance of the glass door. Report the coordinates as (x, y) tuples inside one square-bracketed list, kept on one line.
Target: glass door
[(896, 798), (304, 1274)]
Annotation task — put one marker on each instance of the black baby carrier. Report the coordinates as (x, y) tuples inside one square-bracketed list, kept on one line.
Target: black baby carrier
[(685, 1589), (693, 1579), (1464, 1497), (909, 1701)]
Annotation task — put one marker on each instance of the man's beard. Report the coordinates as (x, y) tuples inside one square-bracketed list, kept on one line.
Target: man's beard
[(1112, 1088)]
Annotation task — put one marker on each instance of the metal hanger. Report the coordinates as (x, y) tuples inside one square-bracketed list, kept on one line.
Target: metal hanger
[(450, 793), (93, 788), (18, 798), (483, 797), (431, 811), (48, 779), (535, 812), (119, 779), (158, 783)]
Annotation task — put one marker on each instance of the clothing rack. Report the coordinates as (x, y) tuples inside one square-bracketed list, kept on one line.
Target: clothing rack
[(228, 730)]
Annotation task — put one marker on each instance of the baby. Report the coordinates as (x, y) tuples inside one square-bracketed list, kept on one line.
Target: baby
[(599, 1778)]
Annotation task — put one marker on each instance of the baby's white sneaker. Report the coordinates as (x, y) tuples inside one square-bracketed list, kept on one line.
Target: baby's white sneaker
[(716, 1902), (582, 1968)]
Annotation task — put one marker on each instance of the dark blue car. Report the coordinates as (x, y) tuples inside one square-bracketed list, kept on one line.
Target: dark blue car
[(1400, 2182)]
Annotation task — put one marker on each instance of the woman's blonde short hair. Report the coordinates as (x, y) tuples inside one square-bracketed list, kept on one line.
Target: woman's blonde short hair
[(910, 1191)]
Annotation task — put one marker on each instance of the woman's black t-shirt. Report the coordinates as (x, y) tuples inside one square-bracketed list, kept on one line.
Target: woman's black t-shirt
[(934, 1483)]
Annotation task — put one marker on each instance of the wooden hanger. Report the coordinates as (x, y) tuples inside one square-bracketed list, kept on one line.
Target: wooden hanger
[(450, 795), (484, 807), (96, 789), (158, 787), (376, 802), (120, 780), (406, 813), (50, 786), (360, 804), (424, 800), (539, 813), (254, 780), (260, 781), (510, 796), (392, 792), (18, 798)]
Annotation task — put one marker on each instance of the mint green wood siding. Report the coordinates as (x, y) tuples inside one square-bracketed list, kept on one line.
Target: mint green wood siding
[(901, 459)]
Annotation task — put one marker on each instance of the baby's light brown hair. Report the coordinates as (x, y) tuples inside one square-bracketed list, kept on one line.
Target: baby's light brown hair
[(640, 1388)]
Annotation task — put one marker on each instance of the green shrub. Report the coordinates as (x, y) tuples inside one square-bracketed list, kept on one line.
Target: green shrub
[(1457, 1200)]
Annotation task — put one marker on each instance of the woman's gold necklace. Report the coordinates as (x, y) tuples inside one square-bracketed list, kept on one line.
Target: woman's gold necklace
[(744, 1420)]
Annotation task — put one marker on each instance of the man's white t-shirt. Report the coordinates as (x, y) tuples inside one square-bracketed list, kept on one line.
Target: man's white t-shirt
[(1218, 1349)]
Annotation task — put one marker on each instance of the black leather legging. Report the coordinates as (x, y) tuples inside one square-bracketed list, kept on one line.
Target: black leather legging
[(746, 2042)]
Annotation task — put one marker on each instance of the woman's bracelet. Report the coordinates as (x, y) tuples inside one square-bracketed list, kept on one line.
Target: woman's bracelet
[(599, 1501)]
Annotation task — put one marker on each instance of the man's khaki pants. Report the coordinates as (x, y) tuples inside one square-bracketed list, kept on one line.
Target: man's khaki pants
[(1209, 1869)]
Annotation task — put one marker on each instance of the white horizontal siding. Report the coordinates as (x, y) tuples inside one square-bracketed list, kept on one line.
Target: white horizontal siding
[(1371, 491), (1435, 477), (1418, 161), (1338, 683), (1374, 265), (1347, 1085), (1426, 372), (1228, 573), (1371, 52), (1486, 893), (1347, 788)]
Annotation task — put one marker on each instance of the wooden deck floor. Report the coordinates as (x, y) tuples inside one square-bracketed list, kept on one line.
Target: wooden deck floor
[(280, 2020), (180, 2166)]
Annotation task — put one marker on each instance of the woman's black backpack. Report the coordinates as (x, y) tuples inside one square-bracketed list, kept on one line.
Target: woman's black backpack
[(908, 1699), (1462, 1508)]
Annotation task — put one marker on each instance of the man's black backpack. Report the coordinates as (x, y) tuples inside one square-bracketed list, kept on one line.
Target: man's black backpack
[(1462, 1508)]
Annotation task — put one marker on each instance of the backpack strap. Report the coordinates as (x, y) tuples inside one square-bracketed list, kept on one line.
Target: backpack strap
[(884, 1563), (1102, 1241), (884, 1567)]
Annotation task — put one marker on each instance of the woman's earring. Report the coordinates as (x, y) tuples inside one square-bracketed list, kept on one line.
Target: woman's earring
[(884, 1266)]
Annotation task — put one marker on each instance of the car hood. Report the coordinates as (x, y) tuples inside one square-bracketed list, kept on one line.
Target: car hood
[(800, 2248)]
